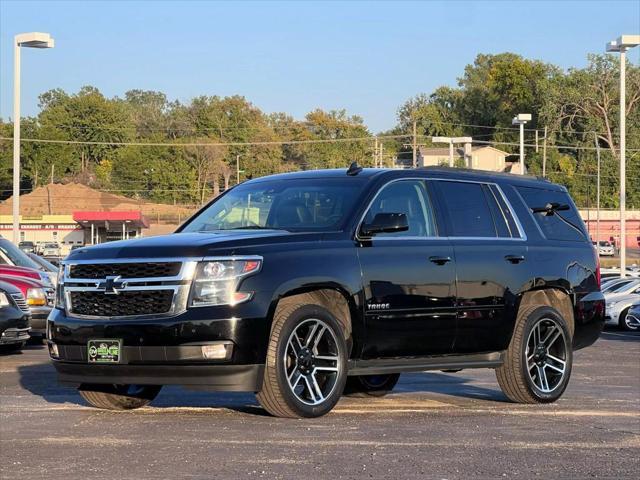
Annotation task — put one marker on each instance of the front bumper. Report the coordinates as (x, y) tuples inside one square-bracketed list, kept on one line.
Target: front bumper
[(227, 378), (166, 350), (14, 335), (39, 317)]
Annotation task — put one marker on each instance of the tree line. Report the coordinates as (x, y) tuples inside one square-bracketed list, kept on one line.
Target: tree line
[(209, 135)]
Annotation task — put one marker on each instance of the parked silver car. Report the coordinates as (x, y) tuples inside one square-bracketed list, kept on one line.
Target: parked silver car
[(619, 300)]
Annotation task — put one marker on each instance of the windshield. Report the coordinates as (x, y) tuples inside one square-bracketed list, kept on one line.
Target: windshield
[(617, 287), (12, 255), (605, 244), (299, 205)]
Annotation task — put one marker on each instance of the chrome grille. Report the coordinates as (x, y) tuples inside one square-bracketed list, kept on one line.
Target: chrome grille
[(129, 288), (20, 302)]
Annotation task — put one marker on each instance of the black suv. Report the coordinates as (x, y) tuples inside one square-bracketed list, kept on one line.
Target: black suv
[(308, 285)]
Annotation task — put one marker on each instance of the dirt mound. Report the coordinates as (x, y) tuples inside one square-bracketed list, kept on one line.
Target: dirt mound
[(58, 199)]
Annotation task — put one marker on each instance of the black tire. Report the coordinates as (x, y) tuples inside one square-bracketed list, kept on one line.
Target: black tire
[(118, 397), (513, 376), (277, 396), (623, 324), (370, 385)]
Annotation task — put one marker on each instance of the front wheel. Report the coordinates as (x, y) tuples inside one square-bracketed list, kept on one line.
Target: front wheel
[(306, 365), (628, 322), (370, 385), (118, 397), (537, 364)]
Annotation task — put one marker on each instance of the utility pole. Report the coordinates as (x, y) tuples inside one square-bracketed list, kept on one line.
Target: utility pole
[(544, 154), (415, 145), (53, 168), (536, 140), (237, 169), (375, 152), (598, 190), (381, 155)]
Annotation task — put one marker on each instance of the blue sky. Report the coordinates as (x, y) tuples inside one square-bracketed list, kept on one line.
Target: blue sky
[(367, 57)]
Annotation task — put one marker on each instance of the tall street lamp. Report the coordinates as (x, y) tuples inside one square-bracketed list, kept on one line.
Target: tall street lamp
[(32, 40), (521, 119), (621, 45)]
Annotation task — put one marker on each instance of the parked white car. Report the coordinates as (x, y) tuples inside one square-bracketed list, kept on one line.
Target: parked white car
[(605, 248), (619, 299), (51, 249)]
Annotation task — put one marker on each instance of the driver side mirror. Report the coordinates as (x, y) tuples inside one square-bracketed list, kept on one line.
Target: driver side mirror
[(385, 223)]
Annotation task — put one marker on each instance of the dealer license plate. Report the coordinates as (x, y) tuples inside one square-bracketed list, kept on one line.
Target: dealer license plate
[(104, 351)]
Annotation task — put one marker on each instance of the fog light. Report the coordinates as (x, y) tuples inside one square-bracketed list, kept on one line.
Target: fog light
[(219, 351), (53, 350)]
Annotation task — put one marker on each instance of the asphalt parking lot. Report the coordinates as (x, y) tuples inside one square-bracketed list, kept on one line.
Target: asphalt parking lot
[(434, 425)]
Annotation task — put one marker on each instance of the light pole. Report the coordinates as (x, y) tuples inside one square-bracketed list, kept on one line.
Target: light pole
[(32, 40), (521, 119), (621, 45), (451, 141)]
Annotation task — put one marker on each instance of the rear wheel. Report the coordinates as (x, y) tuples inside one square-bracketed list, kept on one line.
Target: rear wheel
[(370, 385), (118, 397), (537, 364), (306, 365)]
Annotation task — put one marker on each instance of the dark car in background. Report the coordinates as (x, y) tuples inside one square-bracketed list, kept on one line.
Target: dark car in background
[(27, 247), (38, 297), (306, 286), (14, 317)]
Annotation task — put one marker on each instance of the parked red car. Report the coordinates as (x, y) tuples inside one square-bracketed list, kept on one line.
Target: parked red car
[(39, 298)]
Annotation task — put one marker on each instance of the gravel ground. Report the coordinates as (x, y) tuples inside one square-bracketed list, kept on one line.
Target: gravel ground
[(434, 425)]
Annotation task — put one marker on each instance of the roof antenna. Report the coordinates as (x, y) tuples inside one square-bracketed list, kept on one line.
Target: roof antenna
[(354, 169)]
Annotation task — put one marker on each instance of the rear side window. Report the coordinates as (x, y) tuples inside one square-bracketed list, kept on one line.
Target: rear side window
[(559, 225), (468, 210)]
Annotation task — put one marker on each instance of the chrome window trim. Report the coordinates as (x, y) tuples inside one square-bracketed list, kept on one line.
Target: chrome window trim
[(522, 238)]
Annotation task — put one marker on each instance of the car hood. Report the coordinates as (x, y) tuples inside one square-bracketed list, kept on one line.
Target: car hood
[(189, 244), (622, 297)]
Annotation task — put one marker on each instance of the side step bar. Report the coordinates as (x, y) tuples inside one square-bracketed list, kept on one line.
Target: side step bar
[(418, 364)]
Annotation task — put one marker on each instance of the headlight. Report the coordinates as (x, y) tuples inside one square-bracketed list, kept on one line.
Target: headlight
[(36, 297), (216, 282), (59, 299), (4, 300)]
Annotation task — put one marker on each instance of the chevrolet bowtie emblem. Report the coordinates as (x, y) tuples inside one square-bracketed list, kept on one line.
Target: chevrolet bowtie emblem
[(111, 285)]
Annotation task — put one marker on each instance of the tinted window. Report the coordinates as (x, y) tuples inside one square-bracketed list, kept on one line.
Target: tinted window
[(296, 205), (411, 198), (468, 210), (563, 224)]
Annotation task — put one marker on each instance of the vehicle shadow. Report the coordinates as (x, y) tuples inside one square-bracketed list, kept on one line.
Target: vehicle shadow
[(618, 335), (40, 379)]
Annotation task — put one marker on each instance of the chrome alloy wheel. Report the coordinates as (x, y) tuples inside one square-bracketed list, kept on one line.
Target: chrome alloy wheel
[(632, 321), (312, 362), (546, 355)]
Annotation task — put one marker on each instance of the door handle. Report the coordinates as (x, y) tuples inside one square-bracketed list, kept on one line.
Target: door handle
[(439, 260), (514, 258)]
